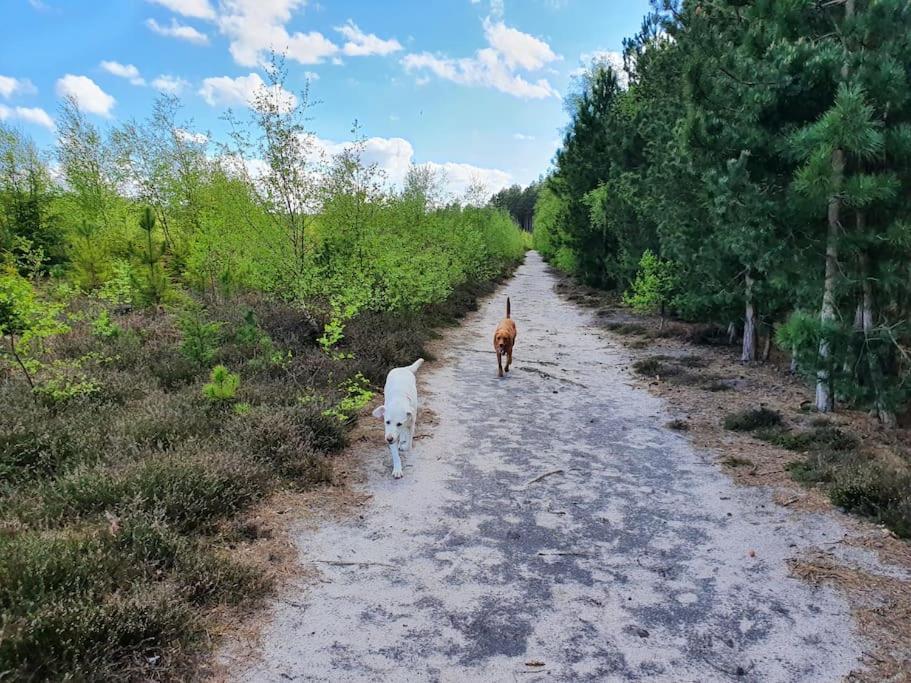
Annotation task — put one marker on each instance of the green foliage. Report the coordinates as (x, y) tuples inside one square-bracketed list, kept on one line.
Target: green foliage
[(357, 395), (519, 203), (152, 282), (222, 386), (104, 327), (120, 289), (200, 338), (62, 388), (655, 284), (750, 420), (26, 322), (745, 130)]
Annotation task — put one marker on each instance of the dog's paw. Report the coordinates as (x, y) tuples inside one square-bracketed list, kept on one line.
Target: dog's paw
[(397, 474)]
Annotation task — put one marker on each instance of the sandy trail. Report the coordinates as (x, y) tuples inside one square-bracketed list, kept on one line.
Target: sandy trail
[(635, 558)]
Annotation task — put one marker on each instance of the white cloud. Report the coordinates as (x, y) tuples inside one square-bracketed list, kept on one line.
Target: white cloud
[(523, 137), (34, 115), (612, 58), (311, 76), (495, 66), (10, 86), (518, 49), (459, 177), (254, 27), (170, 85), (485, 69), (197, 9), (179, 31), (88, 95), (190, 136), (127, 71), (362, 44), (226, 91), (394, 156)]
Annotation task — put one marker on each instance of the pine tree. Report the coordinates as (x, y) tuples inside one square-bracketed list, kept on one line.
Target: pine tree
[(153, 282)]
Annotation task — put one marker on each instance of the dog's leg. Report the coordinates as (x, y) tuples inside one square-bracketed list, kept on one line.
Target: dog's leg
[(499, 363), (396, 461), (508, 359)]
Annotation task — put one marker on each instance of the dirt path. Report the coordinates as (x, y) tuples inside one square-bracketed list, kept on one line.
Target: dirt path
[(633, 558)]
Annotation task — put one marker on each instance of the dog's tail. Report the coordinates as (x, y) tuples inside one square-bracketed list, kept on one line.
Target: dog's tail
[(414, 367), (507, 307)]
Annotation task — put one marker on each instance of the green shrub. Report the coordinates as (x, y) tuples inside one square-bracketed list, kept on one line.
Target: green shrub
[(104, 327), (160, 421), (97, 637), (817, 438), (357, 395), (290, 440), (749, 420), (222, 386), (200, 338), (36, 442), (187, 492), (655, 285), (647, 366), (172, 368)]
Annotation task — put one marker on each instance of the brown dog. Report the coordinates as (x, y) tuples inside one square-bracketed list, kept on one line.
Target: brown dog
[(503, 340)]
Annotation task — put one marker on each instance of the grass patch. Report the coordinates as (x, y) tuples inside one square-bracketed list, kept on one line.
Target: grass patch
[(647, 366), (655, 365), (750, 420), (861, 485), (855, 481), (735, 461), (818, 438), (716, 386), (626, 328)]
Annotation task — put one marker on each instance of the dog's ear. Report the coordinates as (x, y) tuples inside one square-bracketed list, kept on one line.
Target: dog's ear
[(379, 411)]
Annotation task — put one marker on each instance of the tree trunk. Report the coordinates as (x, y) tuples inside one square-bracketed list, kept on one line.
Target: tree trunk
[(732, 333), (885, 414), (748, 353), (825, 399), (767, 349)]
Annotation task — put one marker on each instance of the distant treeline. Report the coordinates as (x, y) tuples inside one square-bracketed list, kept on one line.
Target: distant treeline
[(519, 202), (755, 158)]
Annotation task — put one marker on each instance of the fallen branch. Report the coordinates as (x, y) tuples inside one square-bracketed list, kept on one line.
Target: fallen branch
[(792, 500), (542, 476), (738, 671), (562, 553), (341, 563)]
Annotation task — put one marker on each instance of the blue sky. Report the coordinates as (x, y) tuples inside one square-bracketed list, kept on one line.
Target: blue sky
[(472, 86)]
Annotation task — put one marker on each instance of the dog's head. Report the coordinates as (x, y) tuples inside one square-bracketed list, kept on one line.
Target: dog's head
[(396, 419), (501, 342)]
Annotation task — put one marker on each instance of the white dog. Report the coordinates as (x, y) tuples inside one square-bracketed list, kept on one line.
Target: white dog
[(400, 411)]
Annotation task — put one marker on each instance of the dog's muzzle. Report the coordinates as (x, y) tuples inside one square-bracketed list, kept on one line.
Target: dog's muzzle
[(390, 439)]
